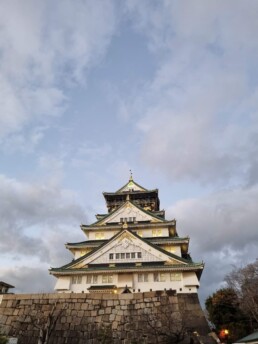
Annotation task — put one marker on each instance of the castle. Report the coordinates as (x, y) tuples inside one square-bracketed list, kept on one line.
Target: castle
[(132, 248)]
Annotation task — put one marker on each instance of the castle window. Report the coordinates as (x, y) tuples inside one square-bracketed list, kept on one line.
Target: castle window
[(171, 249), (127, 255), (156, 232), (76, 279), (100, 236), (175, 276), (162, 278), (143, 277), (107, 279), (92, 279), (156, 277)]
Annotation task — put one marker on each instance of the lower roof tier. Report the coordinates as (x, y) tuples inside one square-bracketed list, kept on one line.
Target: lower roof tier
[(154, 240), (121, 268)]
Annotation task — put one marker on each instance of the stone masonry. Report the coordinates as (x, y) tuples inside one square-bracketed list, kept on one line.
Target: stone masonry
[(101, 318)]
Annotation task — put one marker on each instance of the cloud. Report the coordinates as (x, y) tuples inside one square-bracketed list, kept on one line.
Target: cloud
[(28, 279), (199, 115), (37, 219), (45, 49), (217, 221), (222, 229)]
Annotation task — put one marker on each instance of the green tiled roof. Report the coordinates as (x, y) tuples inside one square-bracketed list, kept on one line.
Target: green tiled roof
[(64, 267), (102, 287), (86, 242), (134, 204), (148, 239), (132, 181), (3, 284), (189, 266)]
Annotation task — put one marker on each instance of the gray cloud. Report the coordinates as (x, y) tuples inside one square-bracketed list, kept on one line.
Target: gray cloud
[(28, 280), (37, 219), (221, 220), (198, 116), (222, 229), (43, 51)]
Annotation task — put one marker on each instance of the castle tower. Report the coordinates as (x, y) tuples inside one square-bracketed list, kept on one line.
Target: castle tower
[(132, 248)]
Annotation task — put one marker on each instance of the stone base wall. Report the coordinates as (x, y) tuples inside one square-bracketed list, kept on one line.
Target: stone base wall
[(101, 318)]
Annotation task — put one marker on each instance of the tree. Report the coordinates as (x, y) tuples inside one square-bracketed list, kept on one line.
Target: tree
[(225, 313), (244, 282)]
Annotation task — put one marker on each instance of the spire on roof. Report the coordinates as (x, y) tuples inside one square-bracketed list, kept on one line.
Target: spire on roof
[(131, 175)]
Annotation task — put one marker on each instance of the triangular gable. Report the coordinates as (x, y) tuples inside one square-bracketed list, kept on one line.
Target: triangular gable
[(130, 212), (131, 186), (126, 242)]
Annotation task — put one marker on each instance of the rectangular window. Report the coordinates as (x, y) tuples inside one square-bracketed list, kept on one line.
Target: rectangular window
[(162, 278), (175, 276), (156, 277), (107, 279), (111, 256), (95, 279), (88, 279), (139, 255), (171, 249), (127, 255), (74, 279), (122, 255), (121, 220), (156, 232), (117, 255), (140, 278), (133, 255), (100, 236), (134, 219)]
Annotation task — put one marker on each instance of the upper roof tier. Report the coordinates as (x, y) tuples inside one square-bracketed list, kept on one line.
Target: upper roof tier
[(147, 199)]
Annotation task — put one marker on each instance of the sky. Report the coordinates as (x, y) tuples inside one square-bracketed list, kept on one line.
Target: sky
[(92, 89)]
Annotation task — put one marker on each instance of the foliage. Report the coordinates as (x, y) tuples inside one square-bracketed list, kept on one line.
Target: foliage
[(244, 282), (224, 312), (236, 307), (3, 339)]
